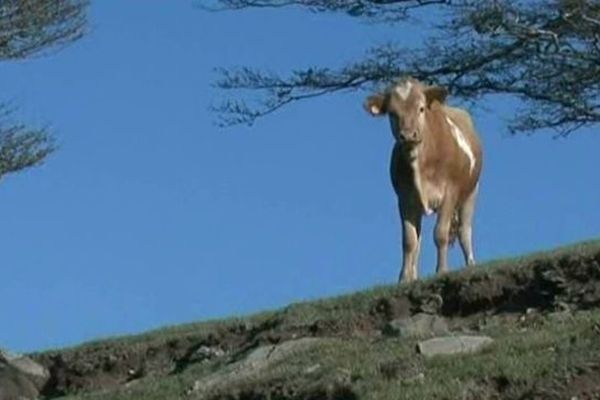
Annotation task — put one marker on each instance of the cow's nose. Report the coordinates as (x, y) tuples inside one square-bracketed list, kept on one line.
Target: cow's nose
[(409, 136)]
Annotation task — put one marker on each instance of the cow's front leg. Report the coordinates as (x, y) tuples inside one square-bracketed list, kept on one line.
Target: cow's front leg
[(411, 239), (442, 236)]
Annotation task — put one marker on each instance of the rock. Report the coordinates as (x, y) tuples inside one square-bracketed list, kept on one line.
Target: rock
[(14, 385), (207, 352), (431, 304), (561, 306), (196, 387), (257, 361), (312, 369), (34, 371), (453, 345), (21, 378), (419, 325), (417, 379), (560, 317), (264, 355)]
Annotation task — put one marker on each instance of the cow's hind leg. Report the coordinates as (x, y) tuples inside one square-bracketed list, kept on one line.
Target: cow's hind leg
[(411, 239), (442, 235), (465, 232)]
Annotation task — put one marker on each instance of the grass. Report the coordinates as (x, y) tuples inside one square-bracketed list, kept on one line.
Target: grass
[(531, 352), (343, 306), (389, 369)]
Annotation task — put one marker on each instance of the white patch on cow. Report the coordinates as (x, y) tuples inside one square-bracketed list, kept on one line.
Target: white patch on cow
[(419, 182), (404, 90), (419, 187), (462, 143)]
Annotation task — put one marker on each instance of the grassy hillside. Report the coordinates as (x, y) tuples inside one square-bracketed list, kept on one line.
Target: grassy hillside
[(543, 312)]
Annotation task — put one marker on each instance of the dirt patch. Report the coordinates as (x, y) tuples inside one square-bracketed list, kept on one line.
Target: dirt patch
[(285, 392), (584, 386), (404, 369), (581, 384), (336, 386)]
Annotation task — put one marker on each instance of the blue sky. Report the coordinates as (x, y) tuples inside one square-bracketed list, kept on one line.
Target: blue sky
[(150, 215)]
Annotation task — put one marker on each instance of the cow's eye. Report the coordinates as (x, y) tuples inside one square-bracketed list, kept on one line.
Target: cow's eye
[(422, 109)]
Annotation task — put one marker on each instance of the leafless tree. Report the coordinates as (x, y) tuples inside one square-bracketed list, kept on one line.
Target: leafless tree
[(29, 28), (546, 53)]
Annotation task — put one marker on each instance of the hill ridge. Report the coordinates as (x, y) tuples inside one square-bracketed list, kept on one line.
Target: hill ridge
[(171, 361)]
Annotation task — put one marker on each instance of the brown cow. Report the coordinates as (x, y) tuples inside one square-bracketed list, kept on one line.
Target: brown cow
[(435, 167)]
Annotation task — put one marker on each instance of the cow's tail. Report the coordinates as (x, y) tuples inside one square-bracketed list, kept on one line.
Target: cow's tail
[(454, 228)]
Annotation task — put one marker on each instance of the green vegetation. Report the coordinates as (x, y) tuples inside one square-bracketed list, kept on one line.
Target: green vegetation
[(389, 369), (542, 311)]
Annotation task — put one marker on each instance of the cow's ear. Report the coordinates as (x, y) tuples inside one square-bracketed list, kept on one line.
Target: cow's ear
[(435, 93), (376, 104)]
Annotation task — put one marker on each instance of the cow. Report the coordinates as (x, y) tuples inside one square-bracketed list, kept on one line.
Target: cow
[(435, 167)]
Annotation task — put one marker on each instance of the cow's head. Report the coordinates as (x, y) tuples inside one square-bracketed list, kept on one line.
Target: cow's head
[(406, 103)]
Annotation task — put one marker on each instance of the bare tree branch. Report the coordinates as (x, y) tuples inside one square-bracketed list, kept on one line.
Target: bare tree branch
[(545, 53), (21, 147), (379, 10), (29, 28)]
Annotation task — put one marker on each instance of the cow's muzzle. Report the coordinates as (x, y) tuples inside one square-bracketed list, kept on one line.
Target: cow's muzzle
[(410, 139)]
